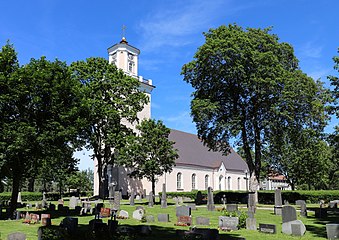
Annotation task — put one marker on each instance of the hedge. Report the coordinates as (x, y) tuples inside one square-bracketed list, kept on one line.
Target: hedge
[(37, 196), (264, 197)]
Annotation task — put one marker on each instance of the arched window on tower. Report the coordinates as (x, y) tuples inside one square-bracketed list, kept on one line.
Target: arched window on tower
[(194, 181), (130, 67), (179, 180), (206, 181)]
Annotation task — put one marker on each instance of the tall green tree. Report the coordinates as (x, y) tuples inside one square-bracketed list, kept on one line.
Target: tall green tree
[(334, 137), (243, 81), (150, 154), (38, 115), (82, 180), (109, 98)]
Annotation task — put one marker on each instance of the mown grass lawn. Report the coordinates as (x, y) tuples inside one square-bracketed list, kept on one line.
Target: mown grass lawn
[(316, 228)]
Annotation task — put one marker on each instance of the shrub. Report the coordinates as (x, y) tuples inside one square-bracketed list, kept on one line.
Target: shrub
[(240, 214)]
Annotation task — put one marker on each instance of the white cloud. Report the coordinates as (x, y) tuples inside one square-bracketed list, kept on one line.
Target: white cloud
[(183, 122), (169, 27), (311, 49)]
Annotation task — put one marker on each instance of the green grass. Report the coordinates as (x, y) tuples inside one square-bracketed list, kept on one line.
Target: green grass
[(316, 229)]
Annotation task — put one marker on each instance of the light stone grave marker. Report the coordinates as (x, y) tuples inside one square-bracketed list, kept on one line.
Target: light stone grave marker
[(228, 223), (288, 214)]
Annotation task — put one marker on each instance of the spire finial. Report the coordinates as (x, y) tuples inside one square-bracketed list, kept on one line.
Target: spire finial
[(123, 39)]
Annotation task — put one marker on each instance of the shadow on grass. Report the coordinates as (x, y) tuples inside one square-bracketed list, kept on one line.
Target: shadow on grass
[(319, 230), (84, 232)]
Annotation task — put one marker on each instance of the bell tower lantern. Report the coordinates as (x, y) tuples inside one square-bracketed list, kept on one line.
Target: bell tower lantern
[(125, 57)]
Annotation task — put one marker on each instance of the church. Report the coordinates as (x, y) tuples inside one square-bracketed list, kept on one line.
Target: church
[(197, 168)]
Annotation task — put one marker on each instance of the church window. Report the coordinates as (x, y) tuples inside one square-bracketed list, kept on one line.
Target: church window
[(179, 180), (130, 66), (229, 183), (206, 182), (238, 183), (220, 182), (193, 181)]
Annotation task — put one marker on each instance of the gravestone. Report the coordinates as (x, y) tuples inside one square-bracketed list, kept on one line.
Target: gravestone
[(131, 199), (184, 221), (93, 222), (60, 207), (140, 207), (192, 206), (300, 202), (295, 228), (199, 198), (150, 199), (176, 200), (288, 214), (45, 219), (251, 202), (19, 198), (16, 236), (60, 201), (183, 211), (228, 223), (202, 221), (123, 214), (44, 200), (210, 200), (251, 224), (138, 214), (34, 218), (332, 231), (231, 207), (105, 212), (73, 202), (163, 197), (70, 224), (116, 201), (163, 217), (277, 202), (149, 218), (51, 207), (267, 228), (303, 208), (333, 204)]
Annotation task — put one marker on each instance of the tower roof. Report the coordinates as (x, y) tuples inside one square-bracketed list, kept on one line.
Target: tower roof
[(124, 44)]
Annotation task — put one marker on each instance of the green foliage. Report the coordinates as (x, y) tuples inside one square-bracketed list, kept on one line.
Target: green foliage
[(150, 154), (240, 214), (25, 196), (248, 86), (108, 97), (82, 180)]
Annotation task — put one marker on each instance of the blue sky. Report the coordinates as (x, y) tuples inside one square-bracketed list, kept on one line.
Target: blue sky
[(168, 34)]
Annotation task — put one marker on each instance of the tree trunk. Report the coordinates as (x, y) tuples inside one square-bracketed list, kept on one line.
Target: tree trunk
[(15, 192), (254, 183), (30, 186), (153, 188)]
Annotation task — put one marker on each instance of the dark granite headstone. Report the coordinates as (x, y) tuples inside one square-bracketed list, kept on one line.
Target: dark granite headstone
[(163, 197), (198, 198), (163, 217), (288, 214), (332, 231), (183, 211), (70, 224), (51, 207), (202, 221), (210, 199), (16, 236), (267, 228)]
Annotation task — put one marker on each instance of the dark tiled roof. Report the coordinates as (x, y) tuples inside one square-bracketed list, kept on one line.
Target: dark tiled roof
[(192, 152)]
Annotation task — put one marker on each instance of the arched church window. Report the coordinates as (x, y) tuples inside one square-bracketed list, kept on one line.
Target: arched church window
[(238, 183), (220, 182), (229, 183), (130, 66), (194, 181), (179, 180), (206, 181)]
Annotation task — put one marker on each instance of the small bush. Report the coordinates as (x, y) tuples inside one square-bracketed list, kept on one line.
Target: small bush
[(240, 214)]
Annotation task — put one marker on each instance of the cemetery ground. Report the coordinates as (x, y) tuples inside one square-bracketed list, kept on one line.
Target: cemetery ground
[(316, 228)]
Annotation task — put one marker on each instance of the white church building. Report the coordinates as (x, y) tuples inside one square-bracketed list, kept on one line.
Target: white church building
[(197, 168)]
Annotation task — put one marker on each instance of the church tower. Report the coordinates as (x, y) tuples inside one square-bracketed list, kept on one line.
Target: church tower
[(126, 58)]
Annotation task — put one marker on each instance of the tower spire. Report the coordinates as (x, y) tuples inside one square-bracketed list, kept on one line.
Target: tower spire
[(123, 33)]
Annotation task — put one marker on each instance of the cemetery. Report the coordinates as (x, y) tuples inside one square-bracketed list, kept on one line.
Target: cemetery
[(170, 218)]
